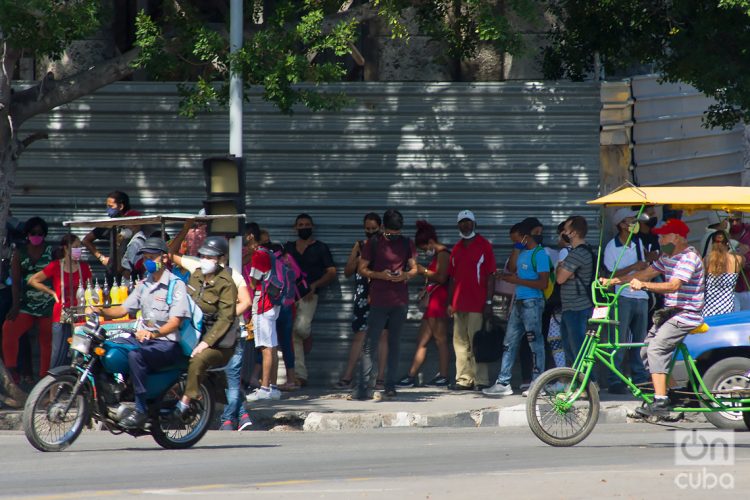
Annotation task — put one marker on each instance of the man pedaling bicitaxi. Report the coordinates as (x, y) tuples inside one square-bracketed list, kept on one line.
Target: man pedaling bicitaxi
[(683, 290)]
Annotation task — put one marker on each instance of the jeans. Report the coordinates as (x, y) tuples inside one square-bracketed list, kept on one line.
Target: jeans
[(394, 316), (573, 331), (284, 331), (633, 317), (525, 319), (234, 408)]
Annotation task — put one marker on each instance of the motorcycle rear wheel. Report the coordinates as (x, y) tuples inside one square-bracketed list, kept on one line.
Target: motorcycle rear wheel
[(177, 434), (47, 425)]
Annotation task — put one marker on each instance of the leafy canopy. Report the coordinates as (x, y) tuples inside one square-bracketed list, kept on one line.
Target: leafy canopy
[(702, 42), (44, 28)]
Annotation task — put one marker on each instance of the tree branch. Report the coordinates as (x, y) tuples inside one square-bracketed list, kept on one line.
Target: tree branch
[(56, 93)]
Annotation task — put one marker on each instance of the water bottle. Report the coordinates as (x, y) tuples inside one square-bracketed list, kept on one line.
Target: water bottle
[(80, 293), (106, 299), (98, 291)]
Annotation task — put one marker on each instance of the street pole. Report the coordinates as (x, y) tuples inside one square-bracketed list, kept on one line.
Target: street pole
[(235, 115)]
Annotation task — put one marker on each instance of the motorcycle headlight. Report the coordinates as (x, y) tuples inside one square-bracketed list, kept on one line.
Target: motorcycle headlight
[(81, 343)]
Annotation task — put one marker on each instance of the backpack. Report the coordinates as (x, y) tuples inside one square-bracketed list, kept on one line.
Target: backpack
[(190, 328), (278, 286), (487, 343), (551, 280), (291, 293), (603, 273)]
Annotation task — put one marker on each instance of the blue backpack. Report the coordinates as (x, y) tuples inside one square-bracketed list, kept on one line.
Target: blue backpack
[(190, 328)]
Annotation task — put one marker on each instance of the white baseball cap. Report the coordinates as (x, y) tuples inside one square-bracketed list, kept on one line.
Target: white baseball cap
[(621, 214), (466, 214)]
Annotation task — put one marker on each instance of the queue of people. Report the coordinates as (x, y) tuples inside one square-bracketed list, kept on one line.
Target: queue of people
[(269, 305)]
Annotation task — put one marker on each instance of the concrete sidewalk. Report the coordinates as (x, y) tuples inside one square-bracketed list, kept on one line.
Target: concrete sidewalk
[(326, 410)]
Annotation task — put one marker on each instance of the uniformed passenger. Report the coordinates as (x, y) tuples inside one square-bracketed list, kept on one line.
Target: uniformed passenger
[(159, 326), (213, 290)]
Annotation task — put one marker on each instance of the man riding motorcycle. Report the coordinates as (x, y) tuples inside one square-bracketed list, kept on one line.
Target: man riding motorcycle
[(158, 330)]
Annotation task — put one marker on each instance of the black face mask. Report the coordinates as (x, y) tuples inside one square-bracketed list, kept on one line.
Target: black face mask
[(539, 238), (370, 234), (652, 222), (304, 233), (565, 238)]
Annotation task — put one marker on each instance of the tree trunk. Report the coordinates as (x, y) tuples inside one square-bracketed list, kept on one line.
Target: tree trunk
[(10, 394)]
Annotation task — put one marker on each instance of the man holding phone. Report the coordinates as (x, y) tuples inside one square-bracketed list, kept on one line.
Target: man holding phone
[(388, 260)]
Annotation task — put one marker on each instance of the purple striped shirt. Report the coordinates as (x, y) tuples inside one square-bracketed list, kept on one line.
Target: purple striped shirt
[(687, 267)]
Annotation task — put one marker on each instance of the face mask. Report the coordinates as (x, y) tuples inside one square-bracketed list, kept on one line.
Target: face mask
[(467, 236), (152, 266), (112, 212), (539, 238), (634, 227), (370, 234), (430, 253), (652, 222), (565, 238), (208, 266), (668, 248), (304, 233), (76, 252), (36, 240)]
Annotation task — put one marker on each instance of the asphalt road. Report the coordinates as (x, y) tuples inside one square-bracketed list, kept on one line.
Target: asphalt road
[(623, 461)]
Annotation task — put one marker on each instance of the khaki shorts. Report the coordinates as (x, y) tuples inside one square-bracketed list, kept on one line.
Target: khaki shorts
[(304, 314)]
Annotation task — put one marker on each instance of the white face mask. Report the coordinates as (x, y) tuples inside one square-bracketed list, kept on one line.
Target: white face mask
[(467, 236), (208, 266)]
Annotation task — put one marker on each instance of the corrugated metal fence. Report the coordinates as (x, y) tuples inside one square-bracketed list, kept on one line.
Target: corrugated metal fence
[(504, 150), (671, 147)]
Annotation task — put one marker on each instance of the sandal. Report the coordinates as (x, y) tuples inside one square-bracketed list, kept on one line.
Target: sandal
[(342, 384), (289, 387), (380, 384)]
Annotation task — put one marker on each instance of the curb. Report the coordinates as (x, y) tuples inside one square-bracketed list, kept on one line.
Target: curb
[(314, 421)]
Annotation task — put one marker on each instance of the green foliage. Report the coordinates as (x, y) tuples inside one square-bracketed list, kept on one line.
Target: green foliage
[(279, 56), (46, 27), (702, 42)]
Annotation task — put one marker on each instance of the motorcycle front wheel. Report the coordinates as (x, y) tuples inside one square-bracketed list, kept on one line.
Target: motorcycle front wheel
[(178, 433), (53, 416)]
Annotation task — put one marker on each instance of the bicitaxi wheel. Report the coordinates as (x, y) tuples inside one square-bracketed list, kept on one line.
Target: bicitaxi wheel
[(554, 414)]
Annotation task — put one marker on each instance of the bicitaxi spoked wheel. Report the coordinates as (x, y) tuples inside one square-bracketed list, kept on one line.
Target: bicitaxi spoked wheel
[(555, 414)]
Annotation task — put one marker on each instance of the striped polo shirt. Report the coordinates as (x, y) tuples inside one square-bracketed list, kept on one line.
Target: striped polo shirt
[(686, 266)]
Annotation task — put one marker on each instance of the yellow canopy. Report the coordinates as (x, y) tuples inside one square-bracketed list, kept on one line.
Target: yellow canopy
[(726, 198)]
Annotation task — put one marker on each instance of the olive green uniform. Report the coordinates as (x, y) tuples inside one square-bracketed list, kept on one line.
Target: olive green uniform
[(217, 298)]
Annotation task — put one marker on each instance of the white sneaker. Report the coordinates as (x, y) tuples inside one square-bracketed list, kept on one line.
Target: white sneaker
[(258, 395), (275, 393), (498, 390)]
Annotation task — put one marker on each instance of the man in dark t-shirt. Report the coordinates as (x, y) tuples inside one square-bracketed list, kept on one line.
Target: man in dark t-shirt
[(315, 260), (388, 261)]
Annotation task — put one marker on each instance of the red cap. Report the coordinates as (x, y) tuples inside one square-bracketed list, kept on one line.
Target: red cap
[(673, 226)]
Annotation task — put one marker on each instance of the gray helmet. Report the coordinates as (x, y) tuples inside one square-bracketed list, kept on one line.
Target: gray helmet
[(154, 245), (214, 246)]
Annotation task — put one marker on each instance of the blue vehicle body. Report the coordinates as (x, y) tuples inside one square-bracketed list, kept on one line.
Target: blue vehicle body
[(725, 331), (116, 361)]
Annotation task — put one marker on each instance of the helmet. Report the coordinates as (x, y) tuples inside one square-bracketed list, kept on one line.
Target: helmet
[(214, 246), (154, 245)]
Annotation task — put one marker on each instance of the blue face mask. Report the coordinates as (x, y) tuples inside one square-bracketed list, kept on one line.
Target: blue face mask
[(152, 266), (112, 212)]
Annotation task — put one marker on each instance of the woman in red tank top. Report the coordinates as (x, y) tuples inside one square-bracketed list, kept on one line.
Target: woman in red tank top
[(435, 320)]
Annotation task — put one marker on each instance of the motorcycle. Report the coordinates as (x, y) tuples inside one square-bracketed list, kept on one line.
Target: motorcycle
[(95, 388)]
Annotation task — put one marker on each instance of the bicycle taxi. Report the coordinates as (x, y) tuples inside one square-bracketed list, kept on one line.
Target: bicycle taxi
[(563, 403)]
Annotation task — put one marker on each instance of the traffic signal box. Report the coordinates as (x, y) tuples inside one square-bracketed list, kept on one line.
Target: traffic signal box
[(225, 188)]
